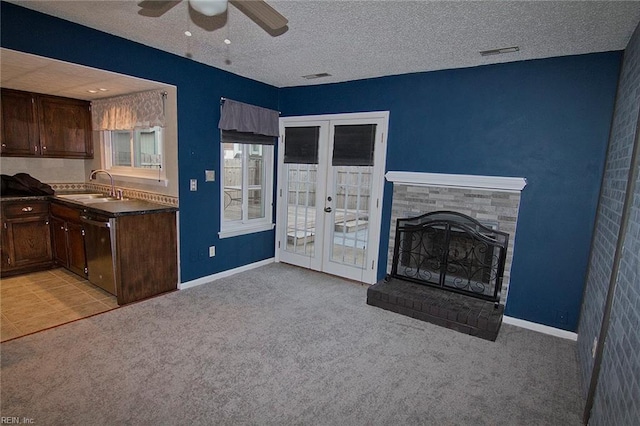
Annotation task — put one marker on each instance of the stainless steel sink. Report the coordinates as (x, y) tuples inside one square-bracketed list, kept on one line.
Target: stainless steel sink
[(80, 197), (102, 200), (90, 198)]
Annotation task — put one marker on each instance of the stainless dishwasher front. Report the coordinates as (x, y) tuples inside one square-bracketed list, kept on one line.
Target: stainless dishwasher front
[(100, 246)]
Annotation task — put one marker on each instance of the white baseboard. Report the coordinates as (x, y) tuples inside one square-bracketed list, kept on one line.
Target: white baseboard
[(223, 274), (540, 328)]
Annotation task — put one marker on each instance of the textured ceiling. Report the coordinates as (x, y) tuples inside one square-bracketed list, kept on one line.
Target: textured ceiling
[(32, 73), (361, 39)]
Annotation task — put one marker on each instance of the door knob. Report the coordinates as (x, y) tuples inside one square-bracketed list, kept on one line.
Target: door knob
[(327, 209)]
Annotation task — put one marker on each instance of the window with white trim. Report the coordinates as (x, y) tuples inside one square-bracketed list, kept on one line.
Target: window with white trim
[(131, 131), (247, 137), (247, 188), (136, 152)]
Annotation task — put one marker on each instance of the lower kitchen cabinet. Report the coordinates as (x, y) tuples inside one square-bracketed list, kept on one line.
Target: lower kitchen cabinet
[(26, 237), (146, 255), (68, 239), (136, 242)]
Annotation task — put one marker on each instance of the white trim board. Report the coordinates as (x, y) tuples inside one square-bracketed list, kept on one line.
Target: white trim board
[(224, 274), (545, 329), (457, 181)]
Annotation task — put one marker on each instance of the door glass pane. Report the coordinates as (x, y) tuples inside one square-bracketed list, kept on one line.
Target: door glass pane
[(350, 227), (301, 208)]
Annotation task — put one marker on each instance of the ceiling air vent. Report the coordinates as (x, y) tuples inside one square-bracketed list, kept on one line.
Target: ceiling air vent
[(499, 51), (319, 75)]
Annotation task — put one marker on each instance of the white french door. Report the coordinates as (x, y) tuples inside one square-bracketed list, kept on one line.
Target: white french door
[(330, 187)]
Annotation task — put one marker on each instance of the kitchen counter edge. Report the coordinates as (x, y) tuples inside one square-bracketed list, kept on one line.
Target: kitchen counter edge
[(111, 209)]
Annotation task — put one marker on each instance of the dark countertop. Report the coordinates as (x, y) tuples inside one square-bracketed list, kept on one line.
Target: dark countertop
[(111, 208), (26, 198)]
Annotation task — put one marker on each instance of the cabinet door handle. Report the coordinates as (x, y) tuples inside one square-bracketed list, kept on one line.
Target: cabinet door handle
[(44, 148), (27, 209), (4, 145)]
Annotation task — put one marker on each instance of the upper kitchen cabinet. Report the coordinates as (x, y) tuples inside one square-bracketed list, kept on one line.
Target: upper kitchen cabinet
[(65, 127), (19, 124), (42, 125)]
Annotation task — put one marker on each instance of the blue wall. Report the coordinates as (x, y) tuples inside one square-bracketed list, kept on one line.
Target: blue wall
[(199, 90), (545, 120)]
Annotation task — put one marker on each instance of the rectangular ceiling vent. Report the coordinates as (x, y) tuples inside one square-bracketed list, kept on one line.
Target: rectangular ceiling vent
[(319, 75), (499, 51)]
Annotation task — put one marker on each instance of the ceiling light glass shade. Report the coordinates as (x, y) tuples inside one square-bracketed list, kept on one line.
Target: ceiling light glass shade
[(209, 7)]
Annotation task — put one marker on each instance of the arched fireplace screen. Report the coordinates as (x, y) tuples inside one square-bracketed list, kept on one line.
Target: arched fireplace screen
[(452, 251)]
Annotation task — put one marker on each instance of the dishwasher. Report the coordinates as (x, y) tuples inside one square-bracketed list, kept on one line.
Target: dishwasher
[(100, 246)]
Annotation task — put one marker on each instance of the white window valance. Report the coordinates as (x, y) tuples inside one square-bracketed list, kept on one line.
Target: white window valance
[(137, 110)]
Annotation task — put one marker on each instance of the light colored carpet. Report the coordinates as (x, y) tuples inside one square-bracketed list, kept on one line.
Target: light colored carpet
[(283, 345)]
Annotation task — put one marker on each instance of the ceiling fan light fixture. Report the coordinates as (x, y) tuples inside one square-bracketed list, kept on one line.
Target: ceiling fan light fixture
[(209, 7)]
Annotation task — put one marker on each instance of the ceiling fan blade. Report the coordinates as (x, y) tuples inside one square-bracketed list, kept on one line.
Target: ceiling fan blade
[(155, 8), (260, 10)]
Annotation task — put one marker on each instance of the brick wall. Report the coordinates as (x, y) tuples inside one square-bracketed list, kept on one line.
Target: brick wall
[(488, 207), (617, 398)]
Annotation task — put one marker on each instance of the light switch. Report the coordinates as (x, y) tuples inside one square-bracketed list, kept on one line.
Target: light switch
[(193, 185), (209, 175), (212, 251)]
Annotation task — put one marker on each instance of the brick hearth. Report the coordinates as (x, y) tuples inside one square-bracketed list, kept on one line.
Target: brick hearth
[(447, 309)]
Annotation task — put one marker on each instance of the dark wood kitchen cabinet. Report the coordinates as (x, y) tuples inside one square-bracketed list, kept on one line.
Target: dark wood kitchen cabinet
[(146, 256), (19, 124), (47, 126), (26, 237), (65, 127), (68, 239)]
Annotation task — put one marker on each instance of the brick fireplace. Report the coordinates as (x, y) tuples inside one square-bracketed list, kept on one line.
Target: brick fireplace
[(492, 201)]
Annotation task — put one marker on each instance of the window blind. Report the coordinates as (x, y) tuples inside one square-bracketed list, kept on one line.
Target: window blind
[(301, 145), (353, 145)]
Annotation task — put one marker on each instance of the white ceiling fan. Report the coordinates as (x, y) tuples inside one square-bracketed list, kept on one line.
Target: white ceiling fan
[(258, 10)]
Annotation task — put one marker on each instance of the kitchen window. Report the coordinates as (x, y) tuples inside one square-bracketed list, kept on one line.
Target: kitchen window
[(247, 135), (132, 135), (136, 153)]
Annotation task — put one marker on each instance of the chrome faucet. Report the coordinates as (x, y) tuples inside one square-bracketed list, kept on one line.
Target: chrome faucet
[(112, 193)]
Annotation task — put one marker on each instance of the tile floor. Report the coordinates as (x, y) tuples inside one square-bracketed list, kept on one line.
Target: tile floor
[(40, 300)]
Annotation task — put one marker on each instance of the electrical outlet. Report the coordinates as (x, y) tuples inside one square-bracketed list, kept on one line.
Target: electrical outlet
[(212, 251), (593, 348), (193, 185), (209, 175)]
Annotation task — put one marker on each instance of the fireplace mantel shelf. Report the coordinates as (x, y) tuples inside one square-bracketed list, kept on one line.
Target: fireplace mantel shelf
[(457, 181)]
